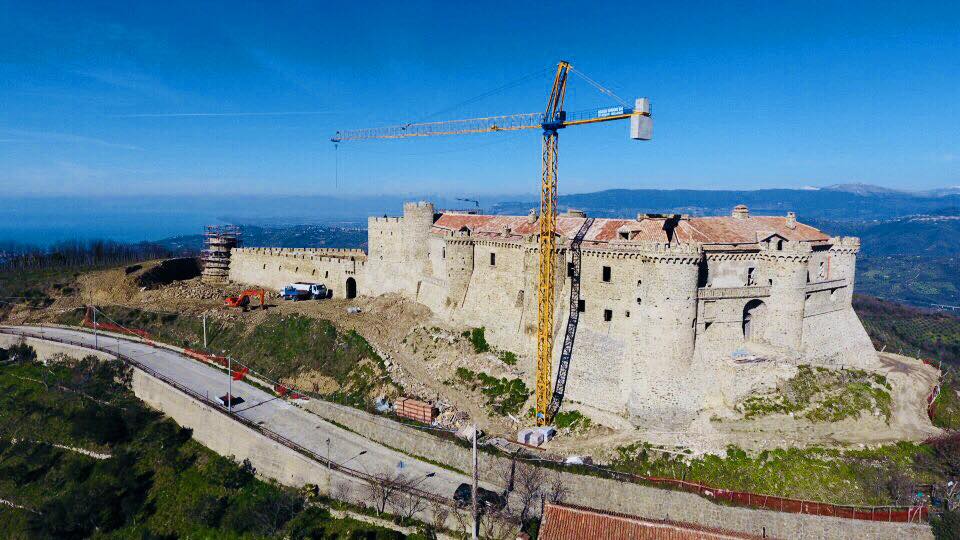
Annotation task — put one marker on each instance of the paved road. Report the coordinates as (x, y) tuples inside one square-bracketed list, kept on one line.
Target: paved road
[(275, 414)]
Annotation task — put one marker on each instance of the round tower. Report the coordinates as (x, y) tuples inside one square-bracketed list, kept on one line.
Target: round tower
[(666, 330), (785, 268)]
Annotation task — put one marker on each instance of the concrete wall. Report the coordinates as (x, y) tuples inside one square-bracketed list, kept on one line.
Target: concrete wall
[(47, 350), (227, 437)]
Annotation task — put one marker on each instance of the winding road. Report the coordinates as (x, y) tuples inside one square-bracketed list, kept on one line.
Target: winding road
[(264, 409)]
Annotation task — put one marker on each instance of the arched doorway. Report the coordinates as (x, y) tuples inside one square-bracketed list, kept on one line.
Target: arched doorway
[(351, 288), (752, 318)]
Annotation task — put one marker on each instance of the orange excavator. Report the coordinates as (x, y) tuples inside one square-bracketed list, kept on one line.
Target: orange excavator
[(243, 299)]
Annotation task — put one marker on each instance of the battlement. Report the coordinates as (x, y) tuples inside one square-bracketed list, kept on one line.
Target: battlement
[(384, 219)]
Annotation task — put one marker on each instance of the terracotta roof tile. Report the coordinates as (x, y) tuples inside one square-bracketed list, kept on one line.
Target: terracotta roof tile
[(567, 522), (704, 230)]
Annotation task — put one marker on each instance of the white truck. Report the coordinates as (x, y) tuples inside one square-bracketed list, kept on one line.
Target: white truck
[(304, 291)]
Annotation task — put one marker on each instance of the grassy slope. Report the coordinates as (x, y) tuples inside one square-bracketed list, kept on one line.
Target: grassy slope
[(278, 347), (158, 482)]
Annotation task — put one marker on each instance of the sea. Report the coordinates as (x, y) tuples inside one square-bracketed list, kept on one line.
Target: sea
[(43, 221)]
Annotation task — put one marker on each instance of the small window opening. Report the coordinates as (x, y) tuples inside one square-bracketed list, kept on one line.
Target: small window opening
[(627, 314), (606, 274), (639, 301), (493, 259), (570, 268), (443, 253), (770, 281), (608, 315), (581, 306), (264, 266)]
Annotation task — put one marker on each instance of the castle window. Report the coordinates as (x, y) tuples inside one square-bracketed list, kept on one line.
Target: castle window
[(606, 274), (493, 259), (608, 315), (779, 245), (264, 266), (443, 253), (314, 272), (751, 279), (624, 235), (581, 305), (639, 301), (771, 281), (570, 269), (627, 314), (326, 274)]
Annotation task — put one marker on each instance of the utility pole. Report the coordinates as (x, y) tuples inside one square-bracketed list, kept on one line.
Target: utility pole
[(328, 455), (473, 491), (229, 384), (204, 330), (96, 340)]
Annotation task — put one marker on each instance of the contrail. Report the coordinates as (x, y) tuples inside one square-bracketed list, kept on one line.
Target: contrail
[(195, 114)]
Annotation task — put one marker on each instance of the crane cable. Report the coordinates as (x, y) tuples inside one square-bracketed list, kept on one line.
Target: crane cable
[(599, 86)]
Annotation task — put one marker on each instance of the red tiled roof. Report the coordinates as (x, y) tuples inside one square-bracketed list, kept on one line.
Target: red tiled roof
[(704, 230), (567, 522)]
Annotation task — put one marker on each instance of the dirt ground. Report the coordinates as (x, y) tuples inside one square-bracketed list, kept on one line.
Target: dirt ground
[(422, 354)]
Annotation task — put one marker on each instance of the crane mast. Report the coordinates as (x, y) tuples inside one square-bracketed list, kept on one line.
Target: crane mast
[(553, 120), (550, 121)]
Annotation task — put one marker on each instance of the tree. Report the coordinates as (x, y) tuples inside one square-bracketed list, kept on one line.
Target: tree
[(383, 487)]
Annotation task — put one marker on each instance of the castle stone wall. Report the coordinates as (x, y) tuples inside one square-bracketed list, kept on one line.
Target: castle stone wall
[(655, 338)]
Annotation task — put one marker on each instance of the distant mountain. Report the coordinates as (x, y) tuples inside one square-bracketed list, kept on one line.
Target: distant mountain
[(846, 202), (863, 189)]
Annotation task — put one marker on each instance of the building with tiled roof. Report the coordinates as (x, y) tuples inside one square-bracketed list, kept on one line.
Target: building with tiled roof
[(567, 522), (676, 313)]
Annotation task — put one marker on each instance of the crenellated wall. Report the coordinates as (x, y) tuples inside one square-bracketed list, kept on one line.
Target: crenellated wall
[(275, 268)]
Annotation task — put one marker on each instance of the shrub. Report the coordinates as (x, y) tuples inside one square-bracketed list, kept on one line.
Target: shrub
[(479, 340)]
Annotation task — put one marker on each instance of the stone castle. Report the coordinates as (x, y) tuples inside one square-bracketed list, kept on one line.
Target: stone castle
[(665, 300)]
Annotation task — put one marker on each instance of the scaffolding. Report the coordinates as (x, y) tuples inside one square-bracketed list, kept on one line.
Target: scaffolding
[(218, 241)]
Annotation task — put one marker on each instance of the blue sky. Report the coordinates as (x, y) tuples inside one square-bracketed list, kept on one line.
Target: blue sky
[(195, 98)]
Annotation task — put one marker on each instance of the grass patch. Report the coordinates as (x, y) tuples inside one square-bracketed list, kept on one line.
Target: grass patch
[(572, 421), (882, 476), (823, 395), (507, 357), (478, 339), (946, 412), (504, 396)]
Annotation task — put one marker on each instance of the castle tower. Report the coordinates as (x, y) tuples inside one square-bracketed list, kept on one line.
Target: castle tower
[(785, 268), (459, 266), (666, 326), (417, 221)]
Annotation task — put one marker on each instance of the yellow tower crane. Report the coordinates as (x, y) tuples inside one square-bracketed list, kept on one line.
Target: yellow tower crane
[(550, 122)]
